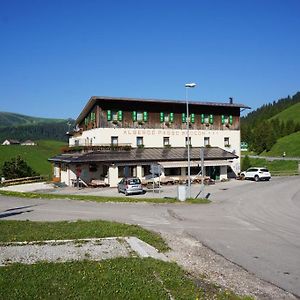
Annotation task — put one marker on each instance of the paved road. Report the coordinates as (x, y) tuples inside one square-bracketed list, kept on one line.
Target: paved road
[(256, 225)]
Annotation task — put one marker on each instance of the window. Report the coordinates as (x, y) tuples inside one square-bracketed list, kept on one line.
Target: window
[(166, 117), (206, 141), (190, 141), (114, 141), (226, 120), (207, 119), (166, 141), (126, 171), (114, 116), (226, 142), (139, 141), (139, 116), (172, 171)]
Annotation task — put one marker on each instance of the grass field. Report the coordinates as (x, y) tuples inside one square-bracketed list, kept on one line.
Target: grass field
[(102, 198), (36, 231), (35, 156), (291, 113), (289, 144), (276, 166), (119, 278)]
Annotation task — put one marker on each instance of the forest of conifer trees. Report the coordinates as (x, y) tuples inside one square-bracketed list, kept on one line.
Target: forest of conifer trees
[(261, 131)]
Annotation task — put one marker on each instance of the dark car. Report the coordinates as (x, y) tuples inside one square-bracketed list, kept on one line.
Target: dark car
[(130, 185)]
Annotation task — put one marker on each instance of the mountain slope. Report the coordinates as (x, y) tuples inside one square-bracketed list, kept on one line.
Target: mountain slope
[(289, 144), (21, 127), (291, 113), (35, 156), (12, 119), (268, 111)]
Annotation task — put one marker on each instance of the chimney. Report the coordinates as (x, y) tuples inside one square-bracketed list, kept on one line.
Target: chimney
[(230, 100)]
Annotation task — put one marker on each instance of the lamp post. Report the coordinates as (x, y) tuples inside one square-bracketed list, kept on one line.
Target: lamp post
[(188, 86)]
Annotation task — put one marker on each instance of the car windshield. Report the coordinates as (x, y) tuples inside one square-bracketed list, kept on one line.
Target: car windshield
[(134, 181)]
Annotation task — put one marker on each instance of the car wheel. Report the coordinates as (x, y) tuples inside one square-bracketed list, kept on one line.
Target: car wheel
[(119, 191), (256, 178), (126, 193)]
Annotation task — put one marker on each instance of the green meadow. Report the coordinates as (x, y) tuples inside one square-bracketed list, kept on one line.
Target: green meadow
[(35, 156), (289, 144)]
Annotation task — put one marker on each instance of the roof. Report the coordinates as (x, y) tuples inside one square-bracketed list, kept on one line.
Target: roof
[(94, 99), (12, 141), (144, 155), (28, 141)]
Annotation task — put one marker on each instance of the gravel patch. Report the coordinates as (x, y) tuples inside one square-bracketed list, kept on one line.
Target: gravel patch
[(203, 263), (74, 250)]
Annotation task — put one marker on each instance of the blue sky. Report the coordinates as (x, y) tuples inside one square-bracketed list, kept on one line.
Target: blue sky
[(55, 55)]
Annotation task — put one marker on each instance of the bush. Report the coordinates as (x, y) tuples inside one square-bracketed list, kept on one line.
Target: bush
[(17, 168), (246, 164)]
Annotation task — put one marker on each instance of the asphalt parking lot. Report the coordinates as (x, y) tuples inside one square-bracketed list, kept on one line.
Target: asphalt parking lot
[(164, 191)]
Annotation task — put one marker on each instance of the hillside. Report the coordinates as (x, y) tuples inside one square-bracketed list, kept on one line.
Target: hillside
[(289, 144), (11, 119), (268, 111), (262, 128), (35, 156), (21, 127), (292, 113)]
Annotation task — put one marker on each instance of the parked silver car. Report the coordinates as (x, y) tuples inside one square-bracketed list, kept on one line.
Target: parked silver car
[(257, 174), (130, 185)]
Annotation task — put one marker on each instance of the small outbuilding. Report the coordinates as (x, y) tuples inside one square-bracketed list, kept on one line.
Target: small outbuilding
[(28, 143), (11, 142)]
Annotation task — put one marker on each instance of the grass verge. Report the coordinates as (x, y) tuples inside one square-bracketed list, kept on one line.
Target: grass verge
[(101, 198), (121, 278), (276, 166), (12, 231)]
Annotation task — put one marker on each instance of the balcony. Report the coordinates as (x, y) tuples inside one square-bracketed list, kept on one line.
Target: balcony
[(96, 147)]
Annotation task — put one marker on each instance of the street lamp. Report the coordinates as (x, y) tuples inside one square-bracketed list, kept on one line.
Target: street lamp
[(188, 86)]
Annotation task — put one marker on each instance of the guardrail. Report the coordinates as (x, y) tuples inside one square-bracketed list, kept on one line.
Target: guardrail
[(23, 180)]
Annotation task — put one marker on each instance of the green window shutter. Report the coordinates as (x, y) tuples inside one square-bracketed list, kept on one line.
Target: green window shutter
[(230, 120), (202, 118), (171, 117), (120, 115), (134, 116), (85, 121), (192, 118), (93, 116), (211, 119), (183, 118), (162, 117), (108, 115), (223, 119), (145, 116)]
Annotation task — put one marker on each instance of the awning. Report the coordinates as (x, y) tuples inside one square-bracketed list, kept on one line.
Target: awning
[(184, 163)]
